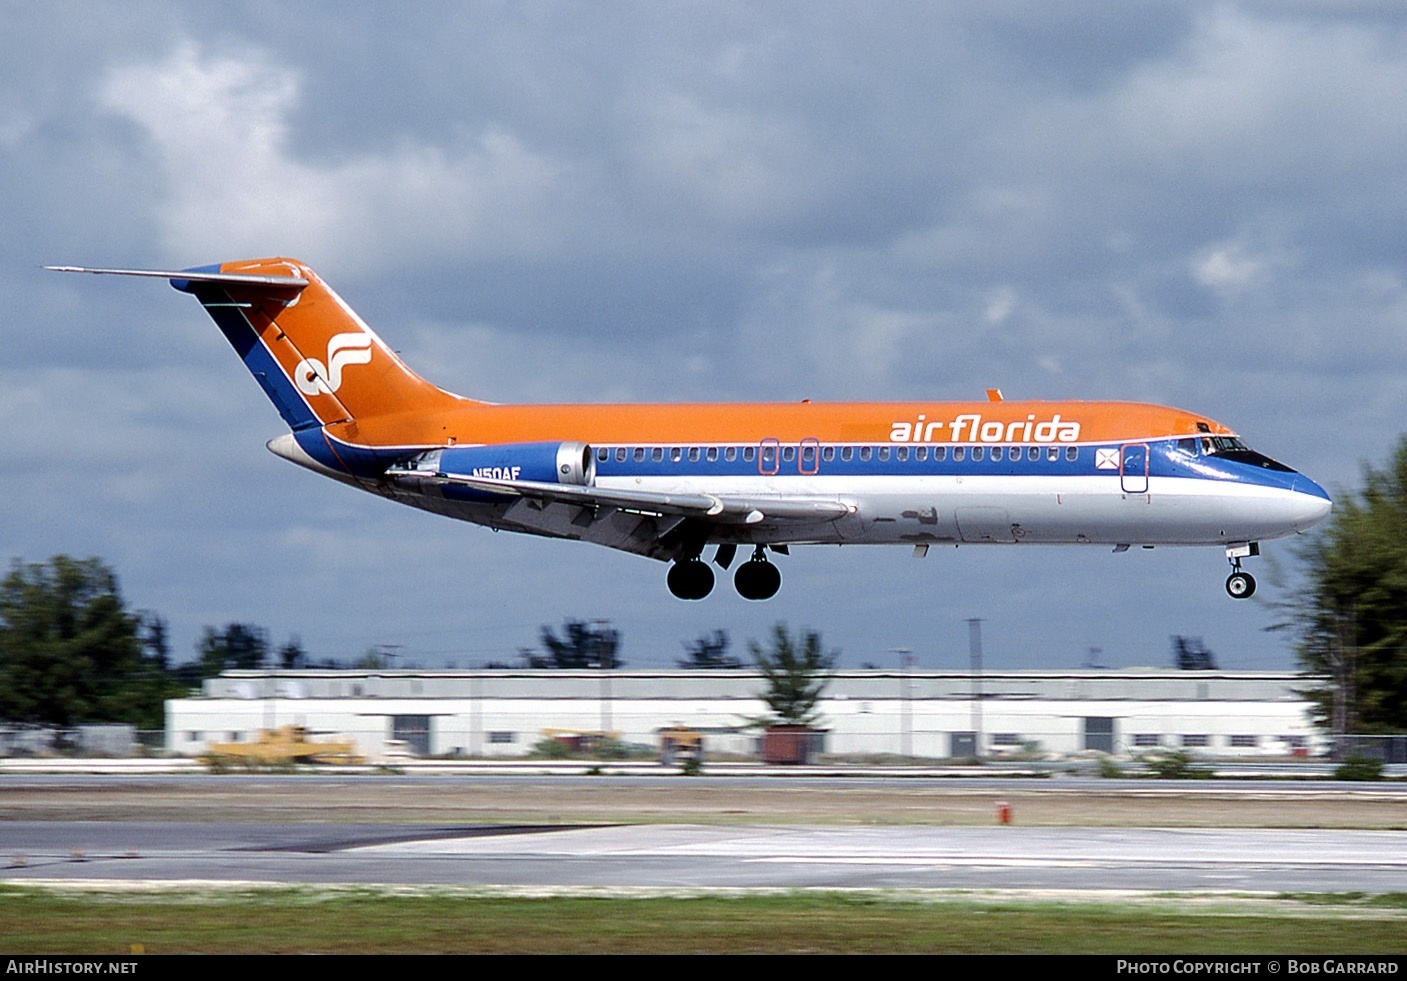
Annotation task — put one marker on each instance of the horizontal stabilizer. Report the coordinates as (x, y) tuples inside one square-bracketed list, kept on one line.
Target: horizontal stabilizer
[(195, 276)]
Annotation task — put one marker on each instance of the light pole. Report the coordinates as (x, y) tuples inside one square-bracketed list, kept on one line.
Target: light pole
[(974, 648), (598, 644), (906, 738)]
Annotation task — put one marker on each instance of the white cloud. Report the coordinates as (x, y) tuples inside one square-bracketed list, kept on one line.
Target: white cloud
[(221, 130), (1000, 306), (1227, 267), (1257, 99)]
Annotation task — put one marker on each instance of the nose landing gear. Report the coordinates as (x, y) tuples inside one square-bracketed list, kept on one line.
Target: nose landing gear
[(1240, 585)]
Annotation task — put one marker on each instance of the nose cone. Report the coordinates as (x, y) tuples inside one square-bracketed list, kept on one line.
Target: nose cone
[(1312, 503)]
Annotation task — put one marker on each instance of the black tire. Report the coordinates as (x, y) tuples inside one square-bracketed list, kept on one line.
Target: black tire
[(690, 580), (1240, 585), (757, 579)]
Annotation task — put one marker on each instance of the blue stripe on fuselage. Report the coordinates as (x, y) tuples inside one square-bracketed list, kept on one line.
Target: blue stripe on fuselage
[(1166, 458), (1169, 459)]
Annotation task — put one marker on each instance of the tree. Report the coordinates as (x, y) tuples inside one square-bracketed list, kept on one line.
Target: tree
[(582, 645), (1190, 654), (373, 659), (70, 652), (796, 673), (239, 645), (710, 651), (1351, 618), (151, 632), (291, 655)]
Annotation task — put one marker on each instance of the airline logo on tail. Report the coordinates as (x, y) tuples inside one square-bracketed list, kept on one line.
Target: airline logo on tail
[(315, 378)]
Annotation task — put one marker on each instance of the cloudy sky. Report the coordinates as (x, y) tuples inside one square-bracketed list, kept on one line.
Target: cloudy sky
[(1197, 204)]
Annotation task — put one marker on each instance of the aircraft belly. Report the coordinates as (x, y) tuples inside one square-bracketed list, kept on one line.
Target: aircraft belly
[(917, 511), (1073, 510)]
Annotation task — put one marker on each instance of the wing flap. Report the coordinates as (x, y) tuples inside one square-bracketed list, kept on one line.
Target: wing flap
[(721, 509)]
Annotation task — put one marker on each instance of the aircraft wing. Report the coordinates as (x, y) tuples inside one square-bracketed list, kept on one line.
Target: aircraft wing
[(719, 509)]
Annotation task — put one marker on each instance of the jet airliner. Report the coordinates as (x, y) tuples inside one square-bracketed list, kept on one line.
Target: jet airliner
[(671, 481)]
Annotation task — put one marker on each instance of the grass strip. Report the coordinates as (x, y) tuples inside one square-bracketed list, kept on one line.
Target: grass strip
[(41, 920)]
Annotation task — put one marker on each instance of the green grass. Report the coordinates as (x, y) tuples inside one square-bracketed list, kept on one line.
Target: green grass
[(384, 920)]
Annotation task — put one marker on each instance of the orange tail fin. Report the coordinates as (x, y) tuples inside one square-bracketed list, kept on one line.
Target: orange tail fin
[(313, 356)]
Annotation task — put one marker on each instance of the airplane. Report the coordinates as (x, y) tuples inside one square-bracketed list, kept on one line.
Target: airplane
[(670, 480)]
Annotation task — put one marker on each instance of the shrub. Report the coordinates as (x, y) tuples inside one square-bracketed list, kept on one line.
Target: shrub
[(1176, 765), (1359, 768)]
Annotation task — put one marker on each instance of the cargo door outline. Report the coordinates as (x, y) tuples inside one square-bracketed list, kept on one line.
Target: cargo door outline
[(769, 456)]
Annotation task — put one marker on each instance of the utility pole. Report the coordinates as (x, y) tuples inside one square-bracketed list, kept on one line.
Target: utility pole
[(906, 726), (598, 644), (974, 649)]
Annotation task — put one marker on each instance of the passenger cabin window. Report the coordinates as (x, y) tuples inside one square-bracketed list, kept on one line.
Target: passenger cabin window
[(603, 454), (921, 454), (847, 453), (977, 453), (749, 453), (996, 452), (1072, 453), (958, 453), (693, 454), (657, 454), (730, 453), (620, 454), (639, 454), (828, 454)]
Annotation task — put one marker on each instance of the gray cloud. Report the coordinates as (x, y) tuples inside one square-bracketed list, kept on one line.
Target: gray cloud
[(1192, 204)]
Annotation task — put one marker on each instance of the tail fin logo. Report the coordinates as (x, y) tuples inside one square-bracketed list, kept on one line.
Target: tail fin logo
[(315, 378)]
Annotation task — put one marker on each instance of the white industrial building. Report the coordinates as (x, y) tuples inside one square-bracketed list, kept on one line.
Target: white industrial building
[(931, 714)]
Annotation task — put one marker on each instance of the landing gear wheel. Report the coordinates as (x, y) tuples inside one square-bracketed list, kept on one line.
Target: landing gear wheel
[(757, 579), (690, 579), (1240, 585)]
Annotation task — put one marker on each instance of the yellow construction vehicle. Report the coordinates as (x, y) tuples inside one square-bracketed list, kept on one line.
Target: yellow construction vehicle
[(680, 744), (284, 745)]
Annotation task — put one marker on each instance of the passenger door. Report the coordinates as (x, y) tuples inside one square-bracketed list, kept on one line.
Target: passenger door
[(1133, 468)]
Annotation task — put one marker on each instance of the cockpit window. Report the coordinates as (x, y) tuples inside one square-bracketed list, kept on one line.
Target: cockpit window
[(1212, 445), (1234, 449)]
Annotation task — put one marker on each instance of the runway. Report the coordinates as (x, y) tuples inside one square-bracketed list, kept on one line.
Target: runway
[(709, 857)]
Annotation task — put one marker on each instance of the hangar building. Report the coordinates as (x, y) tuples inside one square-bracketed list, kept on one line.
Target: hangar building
[(930, 714)]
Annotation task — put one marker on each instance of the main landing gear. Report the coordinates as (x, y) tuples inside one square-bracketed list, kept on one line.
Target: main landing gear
[(690, 579), (756, 579), (1240, 585)]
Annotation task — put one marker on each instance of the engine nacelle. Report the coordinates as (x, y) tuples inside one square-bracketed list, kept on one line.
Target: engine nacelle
[(547, 463)]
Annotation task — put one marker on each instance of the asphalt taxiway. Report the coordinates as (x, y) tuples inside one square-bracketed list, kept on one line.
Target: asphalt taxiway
[(709, 857), (639, 831)]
